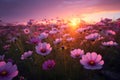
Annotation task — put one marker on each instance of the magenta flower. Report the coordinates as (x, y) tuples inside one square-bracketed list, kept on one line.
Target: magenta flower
[(26, 55), (77, 53), (7, 71), (48, 65), (92, 61), (26, 31), (43, 48)]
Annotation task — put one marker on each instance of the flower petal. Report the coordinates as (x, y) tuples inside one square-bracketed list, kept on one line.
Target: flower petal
[(101, 62), (99, 57), (93, 55)]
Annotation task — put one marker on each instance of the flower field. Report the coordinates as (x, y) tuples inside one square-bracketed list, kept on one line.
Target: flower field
[(60, 51)]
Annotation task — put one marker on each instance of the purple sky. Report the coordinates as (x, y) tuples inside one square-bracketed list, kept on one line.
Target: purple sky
[(22, 10)]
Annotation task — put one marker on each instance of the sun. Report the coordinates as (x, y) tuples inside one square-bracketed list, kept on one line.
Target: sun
[(74, 23)]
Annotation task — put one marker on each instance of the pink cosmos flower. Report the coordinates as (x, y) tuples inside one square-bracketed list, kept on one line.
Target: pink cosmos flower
[(43, 48), (100, 24), (43, 35), (53, 31), (109, 43), (7, 71), (66, 35), (69, 39), (34, 40), (26, 31), (77, 53), (93, 36), (92, 61), (40, 29), (106, 20), (57, 41), (110, 32), (48, 65), (6, 47), (64, 26), (36, 34), (83, 29), (31, 22), (80, 30), (26, 55)]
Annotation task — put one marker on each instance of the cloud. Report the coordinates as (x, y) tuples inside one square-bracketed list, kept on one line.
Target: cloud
[(92, 5), (50, 8), (10, 9)]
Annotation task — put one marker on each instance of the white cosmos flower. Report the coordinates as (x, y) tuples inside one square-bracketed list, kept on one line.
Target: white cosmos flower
[(43, 48)]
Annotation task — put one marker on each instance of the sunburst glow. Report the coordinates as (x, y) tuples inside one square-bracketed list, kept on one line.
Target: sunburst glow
[(74, 23)]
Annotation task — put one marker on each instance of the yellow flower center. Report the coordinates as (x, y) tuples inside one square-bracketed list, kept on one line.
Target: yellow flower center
[(43, 50), (49, 66), (3, 73), (77, 55), (92, 63)]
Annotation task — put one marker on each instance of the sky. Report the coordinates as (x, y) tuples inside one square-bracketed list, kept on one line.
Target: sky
[(88, 10)]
